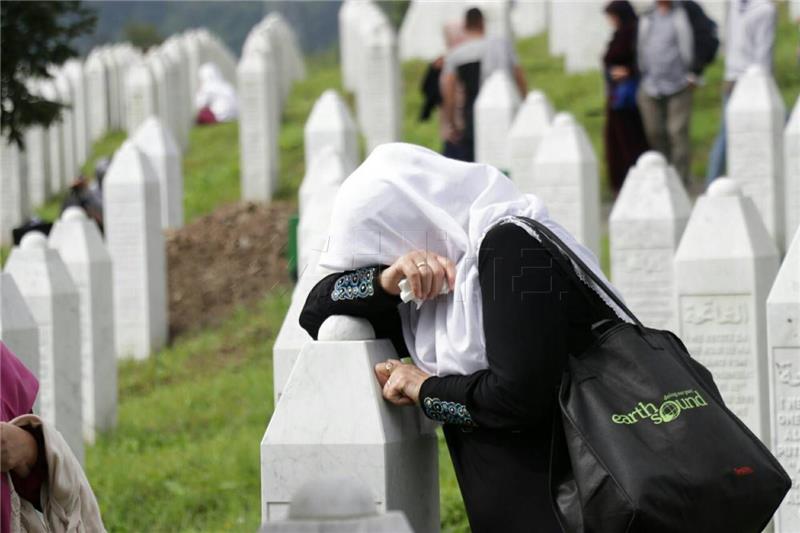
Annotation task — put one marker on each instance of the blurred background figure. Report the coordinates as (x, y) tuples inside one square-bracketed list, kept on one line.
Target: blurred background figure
[(624, 134), (215, 100), (80, 195), (750, 39), (675, 42), (431, 82), (465, 68)]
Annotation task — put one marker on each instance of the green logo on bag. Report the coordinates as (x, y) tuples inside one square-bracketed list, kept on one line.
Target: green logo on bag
[(671, 407)]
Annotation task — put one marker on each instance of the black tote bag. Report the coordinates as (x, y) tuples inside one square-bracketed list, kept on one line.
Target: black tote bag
[(643, 441)]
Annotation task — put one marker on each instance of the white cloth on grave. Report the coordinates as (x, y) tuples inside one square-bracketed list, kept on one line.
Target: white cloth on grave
[(216, 93), (405, 197)]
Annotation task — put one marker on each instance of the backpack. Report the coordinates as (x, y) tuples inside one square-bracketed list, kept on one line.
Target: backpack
[(705, 33)]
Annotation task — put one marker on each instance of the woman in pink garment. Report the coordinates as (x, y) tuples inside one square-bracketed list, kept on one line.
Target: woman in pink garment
[(20, 460)]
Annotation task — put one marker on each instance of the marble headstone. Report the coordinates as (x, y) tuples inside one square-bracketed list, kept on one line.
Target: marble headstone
[(58, 173), (132, 206), (37, 153), (324, 431), (495, 109), (558, 26), (724, 268), (337, 504), (327, 171), (755, 117), (529, 18), (14, 202), (45, 284), (73, 69), (791, 173), (645, 227), (81, 246), (156, 142), (97, 94), (379, 100), (530, 124), (114, 89), (65, 97), (783, 333), (18, 329), (587, 35), (565, 177), (330, 124), (349, 43), (140, 93), (258, 126)]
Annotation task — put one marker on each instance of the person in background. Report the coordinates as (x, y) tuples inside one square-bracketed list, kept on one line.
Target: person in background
[(80, 195), (215, 100), (750, 41), (466, 67), (431, 87), (624, 134), (676, 40), (42, 485)]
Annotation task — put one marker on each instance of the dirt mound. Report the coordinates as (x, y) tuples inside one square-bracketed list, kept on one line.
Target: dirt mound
[(228, 258)]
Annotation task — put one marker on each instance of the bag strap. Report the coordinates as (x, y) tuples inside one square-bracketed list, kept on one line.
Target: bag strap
[(566, 250)]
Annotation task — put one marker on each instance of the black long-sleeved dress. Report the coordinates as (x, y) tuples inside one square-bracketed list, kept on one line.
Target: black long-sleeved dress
[(498, 421)]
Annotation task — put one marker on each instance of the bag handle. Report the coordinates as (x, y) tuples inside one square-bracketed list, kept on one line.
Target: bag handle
[(566, 250)]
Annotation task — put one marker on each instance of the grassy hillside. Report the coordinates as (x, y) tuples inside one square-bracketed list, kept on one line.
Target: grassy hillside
[(185, 455)]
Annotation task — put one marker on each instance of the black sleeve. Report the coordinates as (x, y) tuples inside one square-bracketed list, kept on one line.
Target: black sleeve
[(355, 293), (532, 311)]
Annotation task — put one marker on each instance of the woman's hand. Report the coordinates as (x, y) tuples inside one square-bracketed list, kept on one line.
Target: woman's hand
[(18, 450), (426, 271), (401, 382), (619, 73)]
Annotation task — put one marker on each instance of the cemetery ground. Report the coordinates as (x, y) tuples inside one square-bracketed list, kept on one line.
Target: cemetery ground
[(185, 454)]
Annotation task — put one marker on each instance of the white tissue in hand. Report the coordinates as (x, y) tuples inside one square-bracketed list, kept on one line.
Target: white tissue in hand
[(407, 295)]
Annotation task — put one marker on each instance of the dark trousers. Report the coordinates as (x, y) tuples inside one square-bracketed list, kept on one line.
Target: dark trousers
[(535, 314), (463, 150)]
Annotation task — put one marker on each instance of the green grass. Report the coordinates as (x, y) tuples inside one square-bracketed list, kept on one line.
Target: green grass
[(185, 455)]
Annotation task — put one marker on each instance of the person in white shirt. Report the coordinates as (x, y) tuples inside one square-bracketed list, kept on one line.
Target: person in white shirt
[(750, 40)]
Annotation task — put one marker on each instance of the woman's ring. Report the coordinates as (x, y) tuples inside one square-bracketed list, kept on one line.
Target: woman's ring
[(388, 366), (422, 264)]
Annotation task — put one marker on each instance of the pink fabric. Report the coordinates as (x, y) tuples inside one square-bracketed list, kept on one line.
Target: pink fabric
[(18, 388)]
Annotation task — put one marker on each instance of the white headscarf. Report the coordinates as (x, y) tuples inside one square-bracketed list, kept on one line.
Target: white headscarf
[(404, 198), (215, 92)]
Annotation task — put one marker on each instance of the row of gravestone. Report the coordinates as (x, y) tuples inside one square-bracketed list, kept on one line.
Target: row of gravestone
[(271, 62), (75, 302), (576, 30), (116, 87), (750, 342)]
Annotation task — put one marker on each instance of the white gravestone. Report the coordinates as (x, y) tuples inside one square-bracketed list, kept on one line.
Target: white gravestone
[(14, 202), (529, 17), (172, 48), (755, 117), (140, 93), (724, 268), (37, 153), (97, 94), (158, 71), (783, 333), (81, 246), (65, 97), (348, 430), (565, 176), (45, 283), (495, 109), (645, 227), (290, 49), (114, 93), (58, 173), (291, 337), (258, 126), (530, 124), (73, 69), (421, 34), (791, 172), (330, 124), (131, 199), (558, 26), (18, 329), (157, 143), (379, 100), (587, 35), (349, 43), (328, 169)]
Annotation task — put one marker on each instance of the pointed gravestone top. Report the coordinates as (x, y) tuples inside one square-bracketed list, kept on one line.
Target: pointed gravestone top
[(85, 241), (18, 329), (152, 137), (330, 123), (495, 108), (530, 124), (536, 113), (786, 288), (652, 190)]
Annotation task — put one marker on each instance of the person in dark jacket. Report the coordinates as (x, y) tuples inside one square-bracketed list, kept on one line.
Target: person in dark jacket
[(624, 134), (487, 356)]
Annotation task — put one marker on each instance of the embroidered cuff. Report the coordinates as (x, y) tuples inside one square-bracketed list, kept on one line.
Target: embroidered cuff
[(447, 412), (356, 284)]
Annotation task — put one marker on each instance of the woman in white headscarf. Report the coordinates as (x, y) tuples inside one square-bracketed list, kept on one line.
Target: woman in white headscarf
[(487, 357), (215, 100)]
